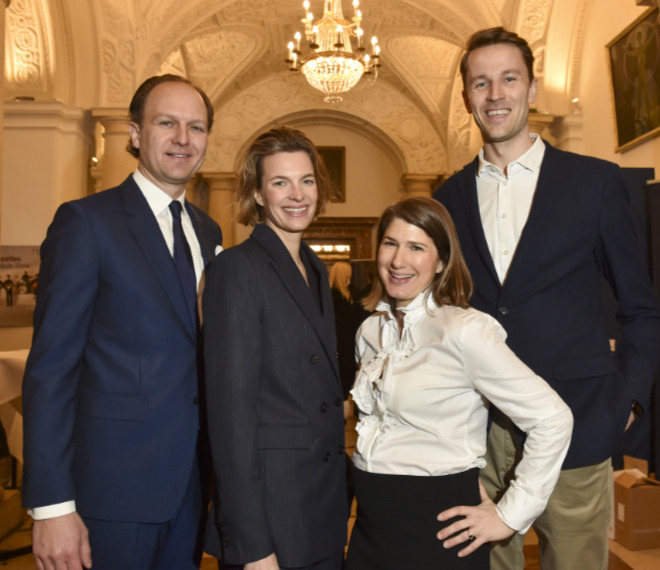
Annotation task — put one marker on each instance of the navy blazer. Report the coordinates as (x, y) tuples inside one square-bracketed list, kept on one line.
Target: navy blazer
[(110, 389), (580, 229), (275, 407)]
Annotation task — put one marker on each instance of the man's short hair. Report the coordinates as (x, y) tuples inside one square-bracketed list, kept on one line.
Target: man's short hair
[(494, 36)]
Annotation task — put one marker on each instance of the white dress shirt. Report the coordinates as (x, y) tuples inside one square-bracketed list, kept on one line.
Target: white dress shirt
[(505, 201), (159, 203), (423, 397)]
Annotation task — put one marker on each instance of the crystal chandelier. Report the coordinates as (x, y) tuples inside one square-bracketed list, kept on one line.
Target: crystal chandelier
[(334, 66)]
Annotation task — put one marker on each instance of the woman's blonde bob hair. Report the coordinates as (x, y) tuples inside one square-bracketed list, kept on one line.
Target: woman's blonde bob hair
[(279, 139), (340, 276), (453, 285)]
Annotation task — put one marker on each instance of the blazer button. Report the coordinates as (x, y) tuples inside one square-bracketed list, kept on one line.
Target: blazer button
[(503, 311), (341, 449), (324, 407), (315, 359), (339, 402), (196, 400), (326, 457)]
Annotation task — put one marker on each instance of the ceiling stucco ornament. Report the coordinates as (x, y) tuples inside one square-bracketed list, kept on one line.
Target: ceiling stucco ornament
[(535, 17), (118, 53), (459, 130), (27, 50), (425, 63), (284, 95), (539, 62), (116, 17), (440, 20), (214, 59), (164, 34)]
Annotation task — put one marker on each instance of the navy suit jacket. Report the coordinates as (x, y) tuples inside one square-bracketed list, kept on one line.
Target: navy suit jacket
[(275, 407), (111, 383), (579, 230)]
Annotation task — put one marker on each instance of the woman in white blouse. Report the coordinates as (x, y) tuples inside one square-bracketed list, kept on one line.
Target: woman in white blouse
[(429, 365)]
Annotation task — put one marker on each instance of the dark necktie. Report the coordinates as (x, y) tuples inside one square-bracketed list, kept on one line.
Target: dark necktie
[(183, 259)]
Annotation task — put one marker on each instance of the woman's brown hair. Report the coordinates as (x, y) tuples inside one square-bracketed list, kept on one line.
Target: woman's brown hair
[(280, 139)]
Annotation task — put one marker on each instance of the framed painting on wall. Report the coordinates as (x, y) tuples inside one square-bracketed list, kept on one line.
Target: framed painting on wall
[(634, 57), (334, 158)]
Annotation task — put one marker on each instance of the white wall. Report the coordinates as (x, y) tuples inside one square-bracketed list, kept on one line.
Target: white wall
[(46, 148)]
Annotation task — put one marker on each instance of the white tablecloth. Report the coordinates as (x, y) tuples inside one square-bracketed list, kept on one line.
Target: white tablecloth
[(12, 367)]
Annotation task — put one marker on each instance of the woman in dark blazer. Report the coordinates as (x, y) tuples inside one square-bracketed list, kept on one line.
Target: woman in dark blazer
[(275, 407)]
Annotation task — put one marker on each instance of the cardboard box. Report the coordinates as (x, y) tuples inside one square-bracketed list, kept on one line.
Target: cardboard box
[(636, 506)]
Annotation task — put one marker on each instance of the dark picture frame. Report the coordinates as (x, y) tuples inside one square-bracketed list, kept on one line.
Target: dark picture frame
[(334, 158), (634, 57)]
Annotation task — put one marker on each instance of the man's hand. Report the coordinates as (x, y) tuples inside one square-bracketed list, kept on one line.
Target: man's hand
[(480, 524), (61, 543), (631, 419), (268, 563)]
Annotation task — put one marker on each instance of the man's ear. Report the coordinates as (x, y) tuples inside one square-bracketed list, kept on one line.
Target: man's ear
[(134, 130)]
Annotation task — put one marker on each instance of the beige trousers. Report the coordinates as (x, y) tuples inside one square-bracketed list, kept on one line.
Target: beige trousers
[(572, 530)]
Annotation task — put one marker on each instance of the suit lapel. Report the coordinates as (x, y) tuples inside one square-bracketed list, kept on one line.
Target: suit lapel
[(205, 246), (468, 194), (144, 227), (294, 282), (540, 214), (326, 331)]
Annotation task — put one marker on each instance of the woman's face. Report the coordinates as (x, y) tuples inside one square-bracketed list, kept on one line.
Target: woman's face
[(407, 261), (288, 192)]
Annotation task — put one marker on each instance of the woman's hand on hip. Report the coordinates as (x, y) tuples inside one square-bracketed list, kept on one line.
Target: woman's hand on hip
[(479, 525)]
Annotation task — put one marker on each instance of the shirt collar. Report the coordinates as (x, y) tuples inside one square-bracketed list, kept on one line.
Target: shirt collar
[(423, 302), (530, 160), (157, 199)]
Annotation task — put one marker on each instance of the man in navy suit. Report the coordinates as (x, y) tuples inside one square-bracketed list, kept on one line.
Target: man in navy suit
[(540, 228), (110, 392)]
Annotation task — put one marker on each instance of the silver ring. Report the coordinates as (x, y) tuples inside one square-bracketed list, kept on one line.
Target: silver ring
[(470, 535)]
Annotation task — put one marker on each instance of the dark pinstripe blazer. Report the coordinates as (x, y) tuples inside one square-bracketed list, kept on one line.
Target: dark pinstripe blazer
[(275, 407)]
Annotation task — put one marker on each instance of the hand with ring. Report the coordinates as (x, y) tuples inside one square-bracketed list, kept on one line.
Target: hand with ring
[(476, 525)]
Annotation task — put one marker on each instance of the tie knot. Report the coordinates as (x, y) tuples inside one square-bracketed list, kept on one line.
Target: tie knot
[(175, 208)]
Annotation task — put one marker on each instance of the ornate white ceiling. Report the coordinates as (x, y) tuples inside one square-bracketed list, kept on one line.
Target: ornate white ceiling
[(235, 50)]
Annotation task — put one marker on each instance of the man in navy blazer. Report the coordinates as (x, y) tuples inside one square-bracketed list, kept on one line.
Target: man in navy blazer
[(540, 228), (110, 392)]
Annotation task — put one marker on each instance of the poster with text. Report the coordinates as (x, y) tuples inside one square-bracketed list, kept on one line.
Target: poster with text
[(19, 273)]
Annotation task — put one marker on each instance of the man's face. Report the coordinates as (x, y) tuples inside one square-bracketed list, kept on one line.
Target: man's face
[(173, 136), (498, 92)]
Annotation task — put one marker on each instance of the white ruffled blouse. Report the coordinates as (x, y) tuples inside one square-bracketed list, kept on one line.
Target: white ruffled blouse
[(423, 399)]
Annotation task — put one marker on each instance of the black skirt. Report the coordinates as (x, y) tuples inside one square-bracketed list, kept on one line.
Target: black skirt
[(396, 522)]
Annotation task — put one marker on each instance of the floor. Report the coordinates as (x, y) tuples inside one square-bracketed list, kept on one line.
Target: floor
[(620, 558)]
